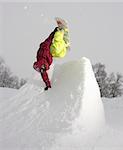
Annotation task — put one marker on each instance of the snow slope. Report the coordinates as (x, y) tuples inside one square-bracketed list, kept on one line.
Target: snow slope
[(68, 116), (112, 138), (10, 92)]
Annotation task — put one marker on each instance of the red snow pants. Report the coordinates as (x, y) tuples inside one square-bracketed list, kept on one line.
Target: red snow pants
[(42, 66), (44, 60)]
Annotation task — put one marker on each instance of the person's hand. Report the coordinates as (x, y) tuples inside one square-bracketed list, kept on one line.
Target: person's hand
[(36, 67)]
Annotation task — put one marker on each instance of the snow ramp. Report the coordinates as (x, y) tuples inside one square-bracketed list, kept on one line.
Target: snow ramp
[(65, 117)]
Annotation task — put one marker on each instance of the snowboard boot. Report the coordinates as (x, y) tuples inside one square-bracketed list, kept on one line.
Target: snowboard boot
[(46, 88), (48, 85)]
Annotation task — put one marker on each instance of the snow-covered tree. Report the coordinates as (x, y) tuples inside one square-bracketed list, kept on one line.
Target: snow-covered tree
[(7, 79), (115, 83), (22, 82), (14, 82), (101, 76), (110, 86), (4, 74)]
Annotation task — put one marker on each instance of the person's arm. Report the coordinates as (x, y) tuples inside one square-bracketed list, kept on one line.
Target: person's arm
[(66, 38), (50, 38)]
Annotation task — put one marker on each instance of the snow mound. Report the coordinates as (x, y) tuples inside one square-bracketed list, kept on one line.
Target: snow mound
[(35, 119)]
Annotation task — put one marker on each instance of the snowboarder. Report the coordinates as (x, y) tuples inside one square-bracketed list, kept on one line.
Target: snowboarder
[(55, 45)]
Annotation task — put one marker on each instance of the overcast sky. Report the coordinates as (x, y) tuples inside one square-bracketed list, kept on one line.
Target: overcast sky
[(96, 32)]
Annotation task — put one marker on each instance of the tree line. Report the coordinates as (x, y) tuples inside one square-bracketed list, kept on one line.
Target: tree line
[(7, 79), (110, 85)]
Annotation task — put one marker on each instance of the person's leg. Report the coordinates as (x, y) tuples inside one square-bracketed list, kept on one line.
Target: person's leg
[(45, 77)]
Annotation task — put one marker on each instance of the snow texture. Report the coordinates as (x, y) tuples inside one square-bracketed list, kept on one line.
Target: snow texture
[(10, 92), (69, 116)]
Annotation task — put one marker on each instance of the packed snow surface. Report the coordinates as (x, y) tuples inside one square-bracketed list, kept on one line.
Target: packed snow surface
[(10, 92), (68, 116)]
